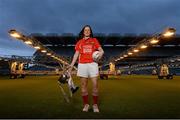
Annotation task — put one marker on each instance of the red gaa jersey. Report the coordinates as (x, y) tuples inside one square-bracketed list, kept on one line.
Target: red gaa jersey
[(86, 49)]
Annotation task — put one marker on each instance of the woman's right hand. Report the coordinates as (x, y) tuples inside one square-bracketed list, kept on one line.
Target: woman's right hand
[(70, 67)]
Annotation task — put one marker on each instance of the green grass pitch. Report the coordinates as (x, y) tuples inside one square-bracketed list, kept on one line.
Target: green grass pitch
[(132, 96)]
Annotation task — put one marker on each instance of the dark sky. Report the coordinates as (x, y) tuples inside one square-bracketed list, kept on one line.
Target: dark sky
[(69, 16)]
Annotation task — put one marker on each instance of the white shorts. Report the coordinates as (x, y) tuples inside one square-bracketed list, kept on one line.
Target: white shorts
[(88, 70)]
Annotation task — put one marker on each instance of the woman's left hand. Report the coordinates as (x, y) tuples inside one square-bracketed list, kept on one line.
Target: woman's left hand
[(100, 55)]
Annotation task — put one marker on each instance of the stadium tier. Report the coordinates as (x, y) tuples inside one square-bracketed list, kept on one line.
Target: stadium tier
[(113, 45)]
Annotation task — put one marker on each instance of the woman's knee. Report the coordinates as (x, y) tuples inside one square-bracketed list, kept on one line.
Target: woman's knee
[(95, 91), (84, 91)]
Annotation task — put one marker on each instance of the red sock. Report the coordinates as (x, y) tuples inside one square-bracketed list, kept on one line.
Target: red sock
[(85, 99), (95, 99)]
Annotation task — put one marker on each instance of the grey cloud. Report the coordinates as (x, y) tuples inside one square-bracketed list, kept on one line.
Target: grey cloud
[(105, 16)]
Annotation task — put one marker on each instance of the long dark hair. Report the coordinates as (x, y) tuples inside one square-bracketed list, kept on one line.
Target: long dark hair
[(81, 34)]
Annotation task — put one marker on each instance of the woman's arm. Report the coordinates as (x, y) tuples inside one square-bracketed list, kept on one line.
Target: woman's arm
[(75, 57), (101, 52)]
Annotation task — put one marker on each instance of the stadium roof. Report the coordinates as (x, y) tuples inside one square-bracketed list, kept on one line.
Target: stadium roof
[(112, 39)]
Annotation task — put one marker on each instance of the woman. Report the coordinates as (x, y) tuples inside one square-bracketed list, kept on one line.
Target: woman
[(87, 68)]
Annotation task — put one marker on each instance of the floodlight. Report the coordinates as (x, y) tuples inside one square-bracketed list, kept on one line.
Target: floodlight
[(28, 42), (37, 47), (154, 41), (169, 32), (44, 51), (125, 55), (48, 54), (130, 53), (143, 46), (135, 50), (15, 34)]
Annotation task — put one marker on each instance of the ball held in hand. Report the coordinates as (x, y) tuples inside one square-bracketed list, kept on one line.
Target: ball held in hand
[(95, 56)]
